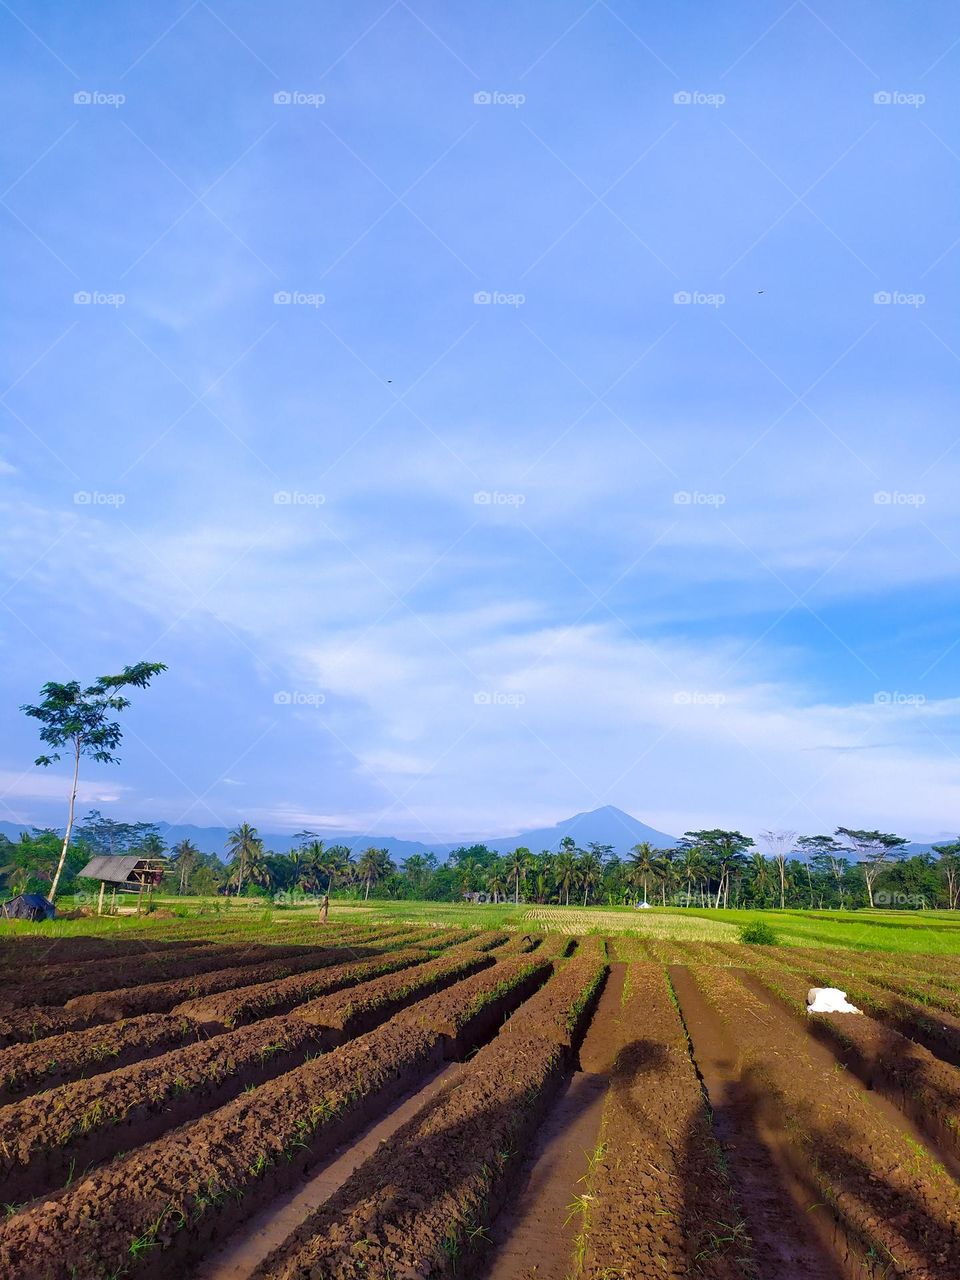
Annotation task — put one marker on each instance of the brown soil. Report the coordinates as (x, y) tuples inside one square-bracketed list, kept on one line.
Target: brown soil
[(832, 1144), (925, 1089), (537, 1222), (248, 1247), (661, 1204), (44, 1064), (784, 1220), (421, 1207), (160, 997), (249, 1002)]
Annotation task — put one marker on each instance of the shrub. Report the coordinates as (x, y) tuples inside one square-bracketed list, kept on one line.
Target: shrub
[(759, 933)]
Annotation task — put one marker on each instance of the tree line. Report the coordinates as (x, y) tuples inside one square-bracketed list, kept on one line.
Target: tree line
[(707, 868)]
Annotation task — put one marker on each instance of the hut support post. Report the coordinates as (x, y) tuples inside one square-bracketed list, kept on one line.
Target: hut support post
[(103, 885)]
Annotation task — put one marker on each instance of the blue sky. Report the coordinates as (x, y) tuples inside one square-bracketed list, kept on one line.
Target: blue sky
[(486, 524)]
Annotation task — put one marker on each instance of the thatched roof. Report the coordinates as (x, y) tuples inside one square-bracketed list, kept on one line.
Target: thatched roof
[(121, 868)]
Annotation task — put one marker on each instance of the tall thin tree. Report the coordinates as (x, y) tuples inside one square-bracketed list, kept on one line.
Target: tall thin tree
[(81, 718)]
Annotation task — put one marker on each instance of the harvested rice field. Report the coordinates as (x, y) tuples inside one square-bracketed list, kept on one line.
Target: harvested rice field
[(394, 1100)]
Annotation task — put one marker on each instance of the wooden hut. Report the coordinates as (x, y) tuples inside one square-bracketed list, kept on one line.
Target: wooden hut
[(125, 873)]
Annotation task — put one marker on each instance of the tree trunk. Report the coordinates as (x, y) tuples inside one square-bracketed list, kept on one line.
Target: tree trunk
[(719, 891), (366, 896), (66, 834), (516, 891)]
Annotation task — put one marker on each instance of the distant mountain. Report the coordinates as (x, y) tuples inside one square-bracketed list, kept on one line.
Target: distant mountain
[(607, 825)]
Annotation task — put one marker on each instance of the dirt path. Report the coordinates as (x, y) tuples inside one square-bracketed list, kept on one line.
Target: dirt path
[(792, 1235), (238, 1257), (532, 1238)]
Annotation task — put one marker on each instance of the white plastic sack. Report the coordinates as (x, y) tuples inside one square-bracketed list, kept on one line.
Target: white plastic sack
[(829, 1000)]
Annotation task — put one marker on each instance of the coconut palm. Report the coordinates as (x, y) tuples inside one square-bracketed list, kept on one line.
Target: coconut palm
[(666, 872), (565, 870), (759, 869), (373, 865), (690, 868), (185, 855), (643, 859), (517, 865), (497, 881), (337, 863), (243, 844), (590, 872)]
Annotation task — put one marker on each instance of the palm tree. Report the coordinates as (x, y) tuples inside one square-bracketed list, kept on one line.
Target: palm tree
[(497, 881), (565, 869), (185, 854), (666, 872), (336, 861), (690, 867), (244, 844), (590, 870), (642, 864), (374, 865), (517, 863), (759, 869)]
